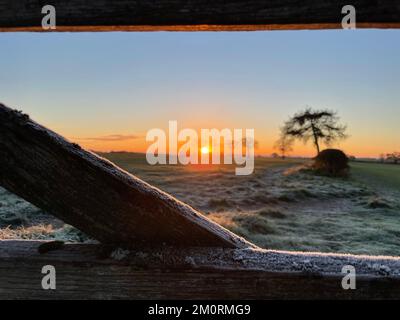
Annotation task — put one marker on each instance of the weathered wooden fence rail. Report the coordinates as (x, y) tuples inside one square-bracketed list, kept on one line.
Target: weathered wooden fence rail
[(196, 15), (85, 272)]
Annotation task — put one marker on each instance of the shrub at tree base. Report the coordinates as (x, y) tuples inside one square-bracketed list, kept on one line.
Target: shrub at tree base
[(331, 162)]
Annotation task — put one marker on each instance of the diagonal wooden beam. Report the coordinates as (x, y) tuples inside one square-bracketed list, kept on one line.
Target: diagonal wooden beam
[(196, 15), (92, 194)]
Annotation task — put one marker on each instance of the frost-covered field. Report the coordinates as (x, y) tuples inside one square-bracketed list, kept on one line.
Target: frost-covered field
[(277, 207)]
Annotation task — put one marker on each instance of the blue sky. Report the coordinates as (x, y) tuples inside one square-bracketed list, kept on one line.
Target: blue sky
[(99, 84)]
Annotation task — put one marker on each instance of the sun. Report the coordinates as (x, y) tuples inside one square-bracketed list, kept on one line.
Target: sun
[(205, 150)]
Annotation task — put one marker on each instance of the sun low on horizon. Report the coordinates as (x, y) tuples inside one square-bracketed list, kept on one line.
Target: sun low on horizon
[(205, 150)]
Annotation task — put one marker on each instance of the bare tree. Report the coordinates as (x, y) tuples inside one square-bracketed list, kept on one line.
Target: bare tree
[(395, 157), (318, 125), (284, 145)]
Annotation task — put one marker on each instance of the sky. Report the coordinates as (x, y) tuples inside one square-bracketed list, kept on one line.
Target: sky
[(106, 90)]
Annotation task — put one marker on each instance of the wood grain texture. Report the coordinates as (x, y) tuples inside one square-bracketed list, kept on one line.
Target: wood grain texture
[(94, 195), (84, 271), (196, 15)]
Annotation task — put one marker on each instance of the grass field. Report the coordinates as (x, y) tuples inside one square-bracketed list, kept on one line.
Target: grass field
[(276, 207), (384, 175)]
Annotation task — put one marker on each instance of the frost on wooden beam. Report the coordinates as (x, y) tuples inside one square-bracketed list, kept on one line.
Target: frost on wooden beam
[(94, 195), (88, 271), (196, 15)]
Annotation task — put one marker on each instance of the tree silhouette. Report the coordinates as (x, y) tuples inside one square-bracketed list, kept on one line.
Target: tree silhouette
[(284, 145), (318, 125), (395, 157)]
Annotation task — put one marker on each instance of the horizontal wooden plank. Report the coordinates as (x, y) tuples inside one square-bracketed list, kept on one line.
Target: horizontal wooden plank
[(92, 194), (199, 15), (87, 271)]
